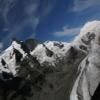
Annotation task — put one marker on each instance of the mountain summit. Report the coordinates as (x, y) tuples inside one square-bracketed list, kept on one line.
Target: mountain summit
[(52, 70)]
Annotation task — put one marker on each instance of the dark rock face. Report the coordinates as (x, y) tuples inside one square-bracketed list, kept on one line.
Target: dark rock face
[(7, 76), (18, 55), (96, 95), (31, 44), (60, 45), (3, 62), (49, 53), (83, 47), (90, 36), (15, 86)]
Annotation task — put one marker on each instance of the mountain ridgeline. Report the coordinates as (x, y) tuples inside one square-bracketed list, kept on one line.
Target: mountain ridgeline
[(53, 70)]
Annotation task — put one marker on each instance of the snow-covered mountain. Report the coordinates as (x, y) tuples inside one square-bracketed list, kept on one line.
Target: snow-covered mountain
[(52, 70)]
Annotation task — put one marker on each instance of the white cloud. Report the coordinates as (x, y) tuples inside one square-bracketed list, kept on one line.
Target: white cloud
[(65, 31), (80, 5)]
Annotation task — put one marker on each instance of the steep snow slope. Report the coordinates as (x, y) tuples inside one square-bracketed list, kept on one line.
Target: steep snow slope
[(52, 70), (89, 77), (57, 50), (8, 56)]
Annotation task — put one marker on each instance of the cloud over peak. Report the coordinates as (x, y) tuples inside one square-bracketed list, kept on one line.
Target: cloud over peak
[(67, 31)]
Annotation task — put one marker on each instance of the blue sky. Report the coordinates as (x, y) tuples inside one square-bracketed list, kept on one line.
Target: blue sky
[(58, 20)]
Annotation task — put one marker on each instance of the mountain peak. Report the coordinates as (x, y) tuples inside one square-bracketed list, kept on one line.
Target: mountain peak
[(49, 70)]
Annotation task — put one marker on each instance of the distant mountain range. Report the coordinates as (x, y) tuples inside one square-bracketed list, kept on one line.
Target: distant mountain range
[(52, 70)]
